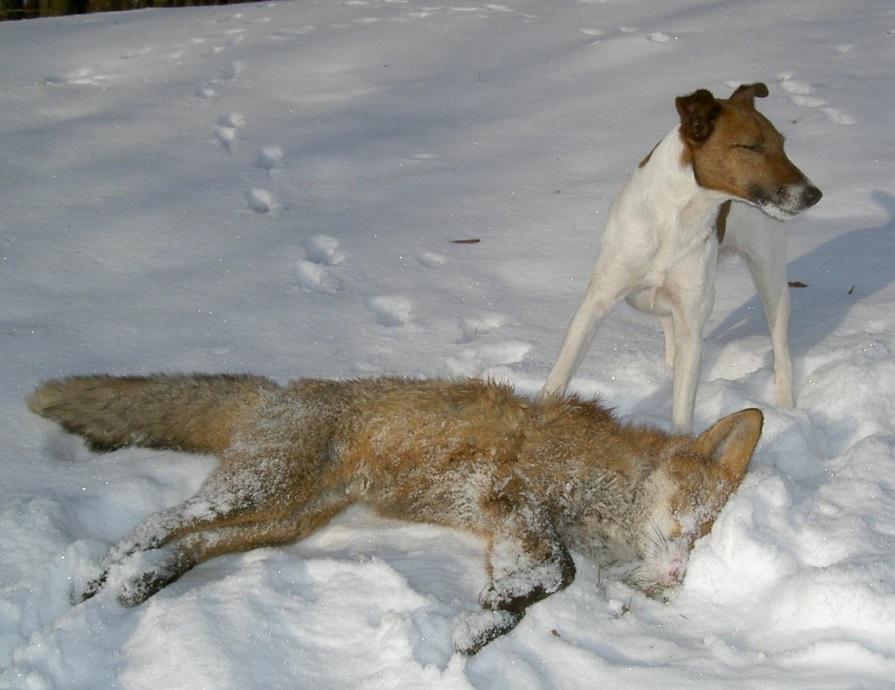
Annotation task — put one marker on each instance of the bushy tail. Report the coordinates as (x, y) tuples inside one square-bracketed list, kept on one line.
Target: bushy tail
[(195, 413)]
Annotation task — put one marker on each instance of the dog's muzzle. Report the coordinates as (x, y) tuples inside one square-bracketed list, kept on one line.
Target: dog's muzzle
[(786, 200)]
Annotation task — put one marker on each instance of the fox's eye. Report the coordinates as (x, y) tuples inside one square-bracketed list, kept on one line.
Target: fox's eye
[(756, 147)]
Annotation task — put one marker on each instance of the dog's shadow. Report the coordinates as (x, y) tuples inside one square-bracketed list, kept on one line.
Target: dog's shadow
[(836, 276)]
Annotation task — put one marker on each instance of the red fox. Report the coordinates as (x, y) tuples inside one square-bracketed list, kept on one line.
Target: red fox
[(534, 479)]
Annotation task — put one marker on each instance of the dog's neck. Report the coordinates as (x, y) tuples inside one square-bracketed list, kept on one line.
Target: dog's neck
[(669, 185)]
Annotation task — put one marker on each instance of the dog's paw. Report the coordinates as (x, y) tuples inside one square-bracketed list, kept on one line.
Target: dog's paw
[(478, 628)]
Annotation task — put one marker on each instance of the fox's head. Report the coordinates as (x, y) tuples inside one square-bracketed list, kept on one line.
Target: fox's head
[(685, 493)]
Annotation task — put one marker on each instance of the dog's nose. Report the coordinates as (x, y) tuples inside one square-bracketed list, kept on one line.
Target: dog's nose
[(811, 195)]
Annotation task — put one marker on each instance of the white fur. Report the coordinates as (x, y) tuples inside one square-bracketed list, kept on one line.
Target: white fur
[(659, 251)]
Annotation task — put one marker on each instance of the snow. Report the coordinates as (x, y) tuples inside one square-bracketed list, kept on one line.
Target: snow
[(279, 188)]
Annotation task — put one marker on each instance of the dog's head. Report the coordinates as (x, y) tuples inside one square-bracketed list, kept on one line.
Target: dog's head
[(734, 149)]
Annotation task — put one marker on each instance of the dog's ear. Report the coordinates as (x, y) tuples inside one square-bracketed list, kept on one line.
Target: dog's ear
[(746, 93), (697, 112)]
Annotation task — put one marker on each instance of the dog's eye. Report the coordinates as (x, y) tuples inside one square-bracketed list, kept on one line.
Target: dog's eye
[(756, 147)]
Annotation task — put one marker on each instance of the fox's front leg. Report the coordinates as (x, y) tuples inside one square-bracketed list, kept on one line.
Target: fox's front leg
[(527, 562)]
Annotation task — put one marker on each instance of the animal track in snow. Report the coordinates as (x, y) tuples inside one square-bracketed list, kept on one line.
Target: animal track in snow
[(807, 101), (799, 93), (839, 117), (323, 249), (474, 326), (390, 310), (235, 120), (227, 129), (658, 37), (260, 200), (287, 34), (136, 52), (83, 76), (314, 272), (477, 359), (431, 259), (270, 158), (790, 85), (205, 91), (314, 276), (232, 70), (226, 135)]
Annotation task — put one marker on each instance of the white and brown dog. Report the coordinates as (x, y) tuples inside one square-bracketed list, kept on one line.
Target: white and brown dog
[(668, 223)]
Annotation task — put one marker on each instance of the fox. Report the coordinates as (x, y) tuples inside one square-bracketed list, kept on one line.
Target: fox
[(535, 479)]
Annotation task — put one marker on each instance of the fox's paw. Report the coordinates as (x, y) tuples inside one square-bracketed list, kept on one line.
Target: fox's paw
[(139, 587), (144, 574), (477, 629), (90, 588), (515, 590)]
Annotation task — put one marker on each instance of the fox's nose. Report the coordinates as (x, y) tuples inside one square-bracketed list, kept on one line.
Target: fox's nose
[(811, 196)]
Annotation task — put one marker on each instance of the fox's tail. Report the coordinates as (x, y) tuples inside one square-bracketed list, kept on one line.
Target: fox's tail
[(196, 413)]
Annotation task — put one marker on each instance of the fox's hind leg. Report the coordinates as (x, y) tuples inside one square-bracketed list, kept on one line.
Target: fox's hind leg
[(180, 554), (244, 489)]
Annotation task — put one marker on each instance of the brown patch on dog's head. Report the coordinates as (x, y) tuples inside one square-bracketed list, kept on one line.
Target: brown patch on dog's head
[(735, 150)]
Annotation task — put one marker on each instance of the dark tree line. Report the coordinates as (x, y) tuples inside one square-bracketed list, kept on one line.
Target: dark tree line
[(27, 9)]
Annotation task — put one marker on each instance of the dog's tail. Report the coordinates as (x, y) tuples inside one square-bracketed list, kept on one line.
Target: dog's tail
[(196, 413)]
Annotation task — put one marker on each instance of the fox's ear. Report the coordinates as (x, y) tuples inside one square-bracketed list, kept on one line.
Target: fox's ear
[(697, 112), (746, 93), (731, 442)]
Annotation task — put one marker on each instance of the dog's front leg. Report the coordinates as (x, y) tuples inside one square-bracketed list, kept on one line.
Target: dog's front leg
[(767, 263)]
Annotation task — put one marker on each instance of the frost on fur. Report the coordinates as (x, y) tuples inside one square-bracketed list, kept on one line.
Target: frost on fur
[(478, 628)]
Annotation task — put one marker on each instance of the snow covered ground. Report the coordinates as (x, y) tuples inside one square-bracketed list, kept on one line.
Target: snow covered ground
[(278, 188)]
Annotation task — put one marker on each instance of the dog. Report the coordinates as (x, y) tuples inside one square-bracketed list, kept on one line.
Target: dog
[(534, 479), (661, 244)]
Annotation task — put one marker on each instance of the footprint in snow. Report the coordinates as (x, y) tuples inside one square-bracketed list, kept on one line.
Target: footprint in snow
[(234, 37), (477, 359), (658, 37), (205, 91), (136, 52), (800, 95), (291, 34), (270, 158), (226, 131), (83, 76), (315, 277), (390, 310), (838, 117), (432, 259), (232, 70), (260, 200), (474, 326), (314, 272), (323, 249)]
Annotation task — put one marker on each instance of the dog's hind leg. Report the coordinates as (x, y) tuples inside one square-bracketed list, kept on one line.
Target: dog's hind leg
[(655, 301), (608, 284), (692, 302)]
